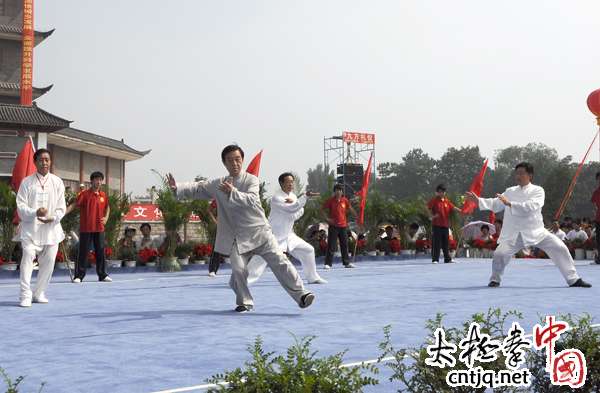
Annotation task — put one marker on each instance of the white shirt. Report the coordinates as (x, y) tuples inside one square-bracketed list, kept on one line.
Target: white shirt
[(524, 217), (282, 218), (41, 191), (579, 235), (560, 234)]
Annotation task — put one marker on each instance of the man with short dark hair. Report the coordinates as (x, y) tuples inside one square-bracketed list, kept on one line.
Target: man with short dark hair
[(596, 202), (93, 215), (440, 207), (40, 205), (335, 210), (243, 229), (286, 208), (524, 227)]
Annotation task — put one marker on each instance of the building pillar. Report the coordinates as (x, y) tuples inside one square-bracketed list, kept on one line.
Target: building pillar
[(42, 140), (81, 181), (122, 176), (107, 175)]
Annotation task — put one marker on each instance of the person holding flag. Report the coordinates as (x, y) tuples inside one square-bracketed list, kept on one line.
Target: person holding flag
[(40, 205), (440, 207), (524, 227), (243, 230), (286, 208)]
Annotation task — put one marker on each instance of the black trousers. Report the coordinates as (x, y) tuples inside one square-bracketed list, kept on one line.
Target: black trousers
[(440, 240), (97, 238), (598, 241), (335, 233), (215, 261)]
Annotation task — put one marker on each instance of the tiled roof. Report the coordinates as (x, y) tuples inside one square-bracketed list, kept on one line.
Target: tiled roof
[(15, 88), (99, 140), (18, 30), (12, 115)]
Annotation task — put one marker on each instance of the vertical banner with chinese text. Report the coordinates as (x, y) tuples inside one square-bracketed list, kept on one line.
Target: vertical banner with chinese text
[(27, 55)]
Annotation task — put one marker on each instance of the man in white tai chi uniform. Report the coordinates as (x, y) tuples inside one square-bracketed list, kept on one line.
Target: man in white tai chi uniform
[(524, 227), (243, 229), (286, 208), (41, 205)]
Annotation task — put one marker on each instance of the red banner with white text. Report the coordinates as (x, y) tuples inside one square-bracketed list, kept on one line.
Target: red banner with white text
[(27, 54), (149, 212), (358, 137)]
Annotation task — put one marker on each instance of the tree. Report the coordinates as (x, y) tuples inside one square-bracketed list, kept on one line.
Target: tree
[(457, 167), (320, 179), (414, 175)]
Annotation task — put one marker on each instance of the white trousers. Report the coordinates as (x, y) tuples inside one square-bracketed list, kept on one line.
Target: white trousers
[(302, 251), (46, 256), (551, 245), (284, 271)]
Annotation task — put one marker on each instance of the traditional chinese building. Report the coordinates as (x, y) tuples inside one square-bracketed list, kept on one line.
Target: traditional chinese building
[(76, 153)]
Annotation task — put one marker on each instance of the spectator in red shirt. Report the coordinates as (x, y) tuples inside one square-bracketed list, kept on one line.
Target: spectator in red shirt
[(440, 207), (335, 209), (93, 213), (596, 202)]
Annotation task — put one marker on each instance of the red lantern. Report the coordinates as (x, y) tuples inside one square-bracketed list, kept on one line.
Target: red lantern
[(593, 102)]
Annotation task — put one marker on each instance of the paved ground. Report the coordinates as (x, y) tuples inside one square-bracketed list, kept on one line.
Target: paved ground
[(147, 332)]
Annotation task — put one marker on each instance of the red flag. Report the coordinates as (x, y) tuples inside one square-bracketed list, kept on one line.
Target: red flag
[(24, 165), (254, 166), (362, 193), (492, 217), (477, 188)]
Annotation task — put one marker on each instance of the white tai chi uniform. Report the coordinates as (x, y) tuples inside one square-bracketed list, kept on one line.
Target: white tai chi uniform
[(524, 227), (282, 218), (36, 237)]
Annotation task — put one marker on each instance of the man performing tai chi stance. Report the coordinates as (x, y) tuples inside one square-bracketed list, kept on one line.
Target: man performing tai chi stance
[(286, 208), (41, 205), (243, 229), (524, 227)]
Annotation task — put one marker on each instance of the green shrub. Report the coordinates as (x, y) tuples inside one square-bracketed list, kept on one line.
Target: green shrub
[(414, 375), (582, 336), (299, 371), (13, 386)]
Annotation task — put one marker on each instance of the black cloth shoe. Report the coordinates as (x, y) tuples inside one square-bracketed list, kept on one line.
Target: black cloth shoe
[(581, 284), (449, 261), (243, 308), (307, 299), (493, 284), (597, 261)]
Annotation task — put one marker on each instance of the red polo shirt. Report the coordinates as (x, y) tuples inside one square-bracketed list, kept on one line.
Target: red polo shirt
[(92, 207), (337, 210), (442, 207), (596, 201)]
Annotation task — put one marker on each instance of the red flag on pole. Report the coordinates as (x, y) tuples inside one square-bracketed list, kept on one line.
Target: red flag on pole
[(362, 193), (254, 166), (476, 188), (24, 165)]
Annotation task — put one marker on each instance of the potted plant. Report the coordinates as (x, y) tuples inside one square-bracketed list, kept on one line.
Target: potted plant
[(127, 255), (59, 261), (148, 256), (577, 246), (119, 206), (371, 240), (590, 249), (108, 255), (174, 213), (8, 207), (202, 252), (183, 253)]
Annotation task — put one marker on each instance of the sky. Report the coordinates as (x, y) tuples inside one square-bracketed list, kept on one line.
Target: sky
[(187, 77)]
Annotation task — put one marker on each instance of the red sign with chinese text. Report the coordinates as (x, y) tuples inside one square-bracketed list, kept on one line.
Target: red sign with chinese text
[(358, 137), (27, 55), (149, 212)]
